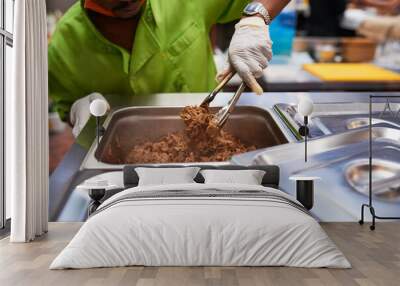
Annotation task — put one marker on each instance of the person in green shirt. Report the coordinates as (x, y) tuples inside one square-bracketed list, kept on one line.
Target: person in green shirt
[(121, 48)]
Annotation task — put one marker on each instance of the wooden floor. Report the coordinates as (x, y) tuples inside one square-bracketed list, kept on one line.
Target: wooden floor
[(375, 257)]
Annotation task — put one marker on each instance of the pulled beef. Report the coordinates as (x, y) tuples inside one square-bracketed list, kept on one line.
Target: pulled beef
[(201, 141)]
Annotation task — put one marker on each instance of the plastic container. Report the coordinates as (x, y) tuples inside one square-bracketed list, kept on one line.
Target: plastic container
[(358, 50), (283, 31)]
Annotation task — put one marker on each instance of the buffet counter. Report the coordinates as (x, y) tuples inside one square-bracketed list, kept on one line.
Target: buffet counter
[(334, 201)]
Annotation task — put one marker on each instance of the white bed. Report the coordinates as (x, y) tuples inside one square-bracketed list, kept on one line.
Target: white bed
[(138, 227)]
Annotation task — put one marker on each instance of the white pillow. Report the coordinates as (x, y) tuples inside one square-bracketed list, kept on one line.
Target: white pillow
[(166, 176), (247, 177)]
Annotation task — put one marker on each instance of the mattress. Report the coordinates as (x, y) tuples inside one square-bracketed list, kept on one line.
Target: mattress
[(201, 225)]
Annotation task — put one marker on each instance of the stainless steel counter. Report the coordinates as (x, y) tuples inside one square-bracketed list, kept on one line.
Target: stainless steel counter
[(304, 81), (328, 205), (336, 197), (287, 75)]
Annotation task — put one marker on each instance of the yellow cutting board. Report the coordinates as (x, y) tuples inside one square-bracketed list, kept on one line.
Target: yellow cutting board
[(351, 72)]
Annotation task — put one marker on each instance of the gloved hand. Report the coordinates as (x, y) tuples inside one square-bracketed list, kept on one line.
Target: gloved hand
[(80, 112), (249, 52)]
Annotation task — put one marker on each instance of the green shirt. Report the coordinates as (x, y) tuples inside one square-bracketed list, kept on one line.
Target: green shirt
[(171, 52)]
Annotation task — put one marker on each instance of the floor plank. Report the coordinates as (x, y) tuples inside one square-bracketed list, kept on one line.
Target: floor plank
[(375, 257)]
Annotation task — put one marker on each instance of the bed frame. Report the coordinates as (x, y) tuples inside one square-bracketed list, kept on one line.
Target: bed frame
[(131, 179), (271, 178)]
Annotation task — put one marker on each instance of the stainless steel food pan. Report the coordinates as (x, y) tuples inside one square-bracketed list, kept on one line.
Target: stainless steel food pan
[(130, 126), (333, 118)]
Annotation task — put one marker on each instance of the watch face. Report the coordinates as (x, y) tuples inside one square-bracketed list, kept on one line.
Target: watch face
[(251, 8), (257, 8)]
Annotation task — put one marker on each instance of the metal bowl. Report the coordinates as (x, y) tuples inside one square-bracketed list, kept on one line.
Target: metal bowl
[(385, 178)]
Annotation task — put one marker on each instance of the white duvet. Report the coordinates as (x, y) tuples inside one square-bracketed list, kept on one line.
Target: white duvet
[(202, 231)]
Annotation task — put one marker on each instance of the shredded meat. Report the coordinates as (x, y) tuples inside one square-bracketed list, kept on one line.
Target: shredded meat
[(201, 141)]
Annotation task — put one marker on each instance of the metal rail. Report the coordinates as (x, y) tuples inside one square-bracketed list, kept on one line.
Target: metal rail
[(6, 39), (394, 114), (2, 117)]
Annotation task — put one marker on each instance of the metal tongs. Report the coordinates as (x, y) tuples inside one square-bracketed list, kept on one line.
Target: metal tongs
[(223, 114)]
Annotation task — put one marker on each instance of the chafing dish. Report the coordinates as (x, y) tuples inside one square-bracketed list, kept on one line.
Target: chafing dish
[(132, 125)]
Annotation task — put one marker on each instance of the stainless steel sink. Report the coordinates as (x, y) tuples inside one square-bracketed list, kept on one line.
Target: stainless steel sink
[(332, 118), (133, 125)]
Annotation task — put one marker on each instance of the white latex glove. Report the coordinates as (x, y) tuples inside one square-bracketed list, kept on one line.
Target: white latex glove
[(249, 52), (353, 18), (80, 112)]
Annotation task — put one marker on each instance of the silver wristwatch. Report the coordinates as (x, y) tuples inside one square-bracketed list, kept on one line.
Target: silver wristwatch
[(255, 8)]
